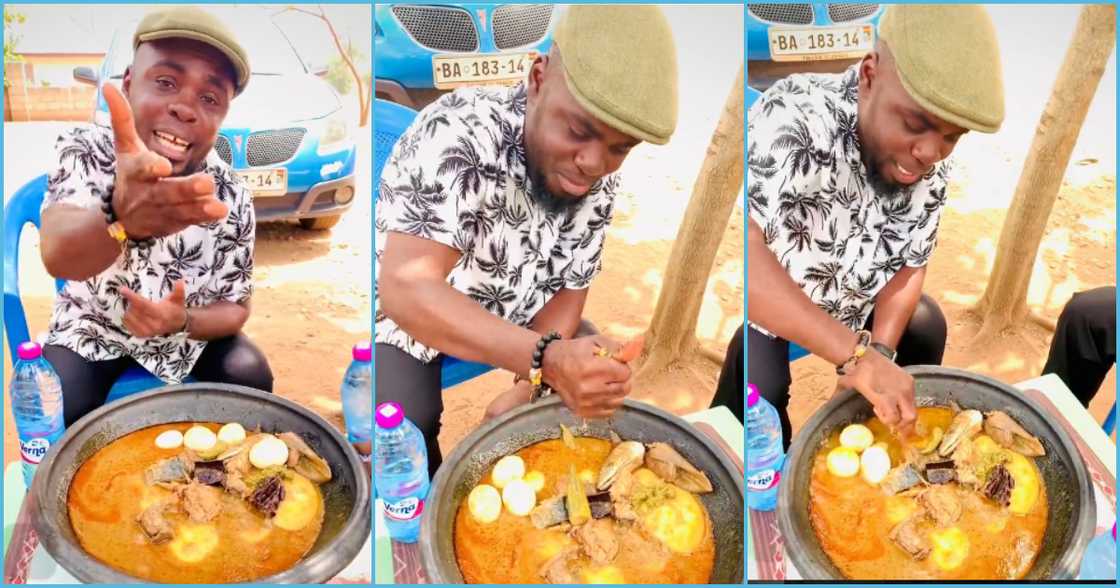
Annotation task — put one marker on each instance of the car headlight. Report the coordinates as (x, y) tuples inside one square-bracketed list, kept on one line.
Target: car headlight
[(336, 135)]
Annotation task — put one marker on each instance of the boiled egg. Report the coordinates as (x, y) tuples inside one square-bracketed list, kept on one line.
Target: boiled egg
[(169, 440), (874, 464), (843, 462), (484, 503), (268, 452), (199, 438), (508, 469), (519, 498), (232, 434), (857, 437)]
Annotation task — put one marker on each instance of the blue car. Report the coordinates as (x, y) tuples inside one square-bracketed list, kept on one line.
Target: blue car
[(422, 50), (286, 135), (784, 39)]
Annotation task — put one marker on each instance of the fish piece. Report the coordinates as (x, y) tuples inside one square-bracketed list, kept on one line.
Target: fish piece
[(941, 472), (598, 540), (966, 424), (601, 506), (549, 513), (908, 537), (579, 511), (210, 473), (309, 464), (156, 528), (172, 469), (201, 503), (620, 497), (999, 485), (267, 495), (900, 478), (672, 467), (625, 456), (1010, 434), (942, 504)]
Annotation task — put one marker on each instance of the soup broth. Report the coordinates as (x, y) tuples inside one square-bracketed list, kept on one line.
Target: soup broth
[(512, 550), (108, 493), (853, 520)]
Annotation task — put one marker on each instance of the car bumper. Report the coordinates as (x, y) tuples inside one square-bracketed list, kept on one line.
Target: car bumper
[(328, 198)]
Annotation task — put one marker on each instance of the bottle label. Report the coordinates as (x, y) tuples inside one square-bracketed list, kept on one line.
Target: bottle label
[(764, 480), (34, 450), (405, 509)]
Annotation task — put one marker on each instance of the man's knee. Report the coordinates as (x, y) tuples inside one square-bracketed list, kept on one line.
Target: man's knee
[(1092, 308), (929, 321), (245, 365)]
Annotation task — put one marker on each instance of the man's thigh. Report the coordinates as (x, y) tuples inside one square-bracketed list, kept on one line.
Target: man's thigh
[(85, 384), (413, 384)]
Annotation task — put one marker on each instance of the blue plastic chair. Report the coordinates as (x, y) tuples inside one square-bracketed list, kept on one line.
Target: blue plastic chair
[(22, 210), (390, 121)]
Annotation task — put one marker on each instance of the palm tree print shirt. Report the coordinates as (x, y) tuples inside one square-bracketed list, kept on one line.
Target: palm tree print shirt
[(808, 190), (215, 261), (458, 176)]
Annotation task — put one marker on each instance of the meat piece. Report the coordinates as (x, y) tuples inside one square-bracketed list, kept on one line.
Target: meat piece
[(155, 526), (620, 497), (600, 505), (598, 540), (210, 473), (999, 485), (267, 496), (549, 512), (172, 469), (900, 479), (557, 570), (940, 472), (201, 503), (236, 468), (909, 538), (655, 555), (941, 504)]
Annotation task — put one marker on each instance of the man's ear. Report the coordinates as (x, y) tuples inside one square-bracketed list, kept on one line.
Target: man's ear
[(537, 73), (868, 70), (127, 82)]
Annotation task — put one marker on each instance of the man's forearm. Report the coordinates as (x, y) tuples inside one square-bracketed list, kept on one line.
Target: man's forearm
[(562, 313), (75, 244), (217, 321), (777, 304), (895, 304)]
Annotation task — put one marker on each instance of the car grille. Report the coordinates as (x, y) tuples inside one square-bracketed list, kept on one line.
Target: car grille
[(271, 147), (517, 25), (223, 149), (795, 14), (439, 27), (850, 12)]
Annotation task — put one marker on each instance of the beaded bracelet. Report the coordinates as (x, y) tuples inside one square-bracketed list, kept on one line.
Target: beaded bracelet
[(539, 388), (116, 229)]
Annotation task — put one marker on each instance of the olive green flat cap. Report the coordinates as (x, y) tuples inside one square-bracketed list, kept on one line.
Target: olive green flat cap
[(621, 65), (948, 59), (189, 22)]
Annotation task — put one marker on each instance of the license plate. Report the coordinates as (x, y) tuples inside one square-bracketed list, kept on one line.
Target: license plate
[(266, 182), (819, 44), (451, 71)]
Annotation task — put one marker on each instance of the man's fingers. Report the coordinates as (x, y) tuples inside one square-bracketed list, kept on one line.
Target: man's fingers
[(134, 299), (187, 188), (886, 410), (178, 295), (124, 127), (145, 166)]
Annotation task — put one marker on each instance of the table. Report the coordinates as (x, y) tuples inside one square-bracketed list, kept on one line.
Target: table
[(28, 563), (399, 563), (766, 559)]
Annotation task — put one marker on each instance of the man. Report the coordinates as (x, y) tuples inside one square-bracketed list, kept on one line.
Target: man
[(1084, 344), (154, 233), (493, 210), (846, 185)]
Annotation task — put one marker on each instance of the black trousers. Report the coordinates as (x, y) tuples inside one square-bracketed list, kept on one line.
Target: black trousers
[(1084, 344), (731, 388), (922, 343), (86, 384)]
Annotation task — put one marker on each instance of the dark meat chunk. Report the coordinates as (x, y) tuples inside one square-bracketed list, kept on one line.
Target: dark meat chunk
[(267, 496), (210, 473), (201, 503), (941, 472), (172, 469), (999, 485), (155, 526), (908, 537), (601, 506), (598, 539)]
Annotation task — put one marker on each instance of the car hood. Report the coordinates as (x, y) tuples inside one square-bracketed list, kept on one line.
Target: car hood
[(279, 99)]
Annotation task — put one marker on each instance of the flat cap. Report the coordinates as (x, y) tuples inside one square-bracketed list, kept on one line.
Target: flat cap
[(948, 59), (621, 65), (190, 22)]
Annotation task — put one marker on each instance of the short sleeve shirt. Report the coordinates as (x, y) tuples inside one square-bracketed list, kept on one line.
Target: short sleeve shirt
[(458, 176), (215, 261), (809, 192)]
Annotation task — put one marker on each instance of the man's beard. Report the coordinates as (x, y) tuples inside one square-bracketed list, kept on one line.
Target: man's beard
[(882, 186), (539, 193)]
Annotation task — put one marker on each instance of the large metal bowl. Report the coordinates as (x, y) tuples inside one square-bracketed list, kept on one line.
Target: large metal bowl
[(1069, 491), (537, 422), (346, 524)]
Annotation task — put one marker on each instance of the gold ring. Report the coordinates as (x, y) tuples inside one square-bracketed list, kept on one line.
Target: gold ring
[(602, 352)]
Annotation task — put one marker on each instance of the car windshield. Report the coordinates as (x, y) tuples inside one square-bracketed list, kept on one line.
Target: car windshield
[(269, 51)]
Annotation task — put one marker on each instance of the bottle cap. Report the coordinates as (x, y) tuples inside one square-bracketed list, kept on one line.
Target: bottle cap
[(29, 350), (1114, 531), (752, 395), (390, 415), (363, 351)]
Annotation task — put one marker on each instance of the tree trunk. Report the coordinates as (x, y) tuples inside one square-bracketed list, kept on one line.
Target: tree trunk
[(1004, 302), (672, 332)]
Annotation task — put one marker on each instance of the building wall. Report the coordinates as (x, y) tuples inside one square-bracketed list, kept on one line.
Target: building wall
[(42, 87)]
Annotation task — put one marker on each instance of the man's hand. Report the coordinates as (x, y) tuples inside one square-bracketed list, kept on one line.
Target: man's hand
[(590, 384), (147, 201), (888, 387), (146, 318)]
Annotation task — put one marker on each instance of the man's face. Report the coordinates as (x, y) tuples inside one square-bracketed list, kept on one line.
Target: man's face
[(901, 141), (179, 91), (568, 149)]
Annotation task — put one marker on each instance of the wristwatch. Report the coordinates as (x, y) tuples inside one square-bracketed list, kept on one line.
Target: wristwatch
[(884, 350)]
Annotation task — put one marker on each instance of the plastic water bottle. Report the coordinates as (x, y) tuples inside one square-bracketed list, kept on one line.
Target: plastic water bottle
[(765, 455), (400, 472), (1099, 562), (357, 398), (36, 406)]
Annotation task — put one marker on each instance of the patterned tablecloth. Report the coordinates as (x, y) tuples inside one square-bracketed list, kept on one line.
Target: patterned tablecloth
[(399, 563), (766, 558)]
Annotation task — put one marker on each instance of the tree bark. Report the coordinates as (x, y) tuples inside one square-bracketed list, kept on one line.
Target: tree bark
[(672, 332), (1004, 302), (364, 100)]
